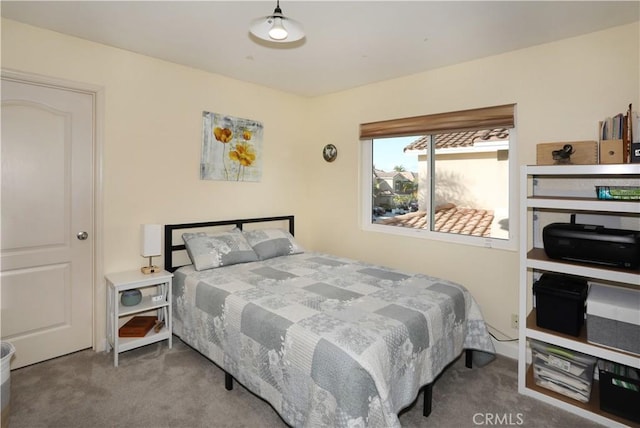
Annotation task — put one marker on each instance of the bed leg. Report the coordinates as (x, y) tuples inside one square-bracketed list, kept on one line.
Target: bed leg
[(468, 358), (228, 381), (428, 395)]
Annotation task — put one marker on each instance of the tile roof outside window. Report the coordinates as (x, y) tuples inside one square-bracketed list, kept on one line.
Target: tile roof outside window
[(449, 218), (460, 139)]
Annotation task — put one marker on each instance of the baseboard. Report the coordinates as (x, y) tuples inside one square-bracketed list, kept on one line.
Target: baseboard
[(509, 350), (506, 349)]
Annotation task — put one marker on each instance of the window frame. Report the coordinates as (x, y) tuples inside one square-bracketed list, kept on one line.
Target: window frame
[(366, 180)]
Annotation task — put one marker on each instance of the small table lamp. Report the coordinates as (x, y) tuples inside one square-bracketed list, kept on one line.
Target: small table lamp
[(150, 245)]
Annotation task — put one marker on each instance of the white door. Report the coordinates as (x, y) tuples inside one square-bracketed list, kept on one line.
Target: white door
[(46, 261)]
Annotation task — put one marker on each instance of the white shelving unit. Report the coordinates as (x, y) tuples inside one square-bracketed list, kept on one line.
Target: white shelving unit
[(572, 191), (117, 314)]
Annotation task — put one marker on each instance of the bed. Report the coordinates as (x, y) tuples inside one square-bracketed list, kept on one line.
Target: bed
[(325, 340)]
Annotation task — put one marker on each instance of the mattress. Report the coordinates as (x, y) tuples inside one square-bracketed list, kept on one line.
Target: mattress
[(326, 340)]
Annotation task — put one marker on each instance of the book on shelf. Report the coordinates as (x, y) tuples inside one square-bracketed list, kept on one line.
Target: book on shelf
[(634, 135), (612, 128), (623, 129), (137, 326)]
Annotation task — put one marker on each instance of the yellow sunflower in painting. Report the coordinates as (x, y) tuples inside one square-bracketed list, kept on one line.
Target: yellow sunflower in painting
[(246, 135), (224, 135), (243, 154)]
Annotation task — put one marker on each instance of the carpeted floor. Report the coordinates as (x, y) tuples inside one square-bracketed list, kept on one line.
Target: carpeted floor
[(159, 387)]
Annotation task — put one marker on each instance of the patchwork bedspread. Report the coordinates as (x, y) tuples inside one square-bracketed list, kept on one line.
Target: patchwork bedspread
[(327, 341)]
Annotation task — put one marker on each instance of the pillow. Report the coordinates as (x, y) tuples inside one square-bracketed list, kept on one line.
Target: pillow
[(208, 251), (269, 243)]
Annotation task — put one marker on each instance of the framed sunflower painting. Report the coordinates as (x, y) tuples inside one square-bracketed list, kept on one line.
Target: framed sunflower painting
[(231, 148)]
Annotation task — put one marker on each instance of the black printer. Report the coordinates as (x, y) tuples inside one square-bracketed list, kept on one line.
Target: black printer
[(592, 244)]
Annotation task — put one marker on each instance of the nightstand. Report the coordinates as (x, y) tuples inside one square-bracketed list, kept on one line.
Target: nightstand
[(156, 296)]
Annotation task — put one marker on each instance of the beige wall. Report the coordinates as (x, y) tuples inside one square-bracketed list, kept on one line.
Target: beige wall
[(151, 138), (151, 143), (561, 89)]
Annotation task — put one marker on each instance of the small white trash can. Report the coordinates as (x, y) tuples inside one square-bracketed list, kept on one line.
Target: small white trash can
[(5, 393)]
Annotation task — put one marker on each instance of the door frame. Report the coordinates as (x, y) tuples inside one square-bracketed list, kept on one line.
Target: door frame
[(98, 340)]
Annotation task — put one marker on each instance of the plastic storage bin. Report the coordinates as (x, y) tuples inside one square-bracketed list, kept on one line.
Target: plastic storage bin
[(5, 370), (560, 301), (564, 371), (619, 390)]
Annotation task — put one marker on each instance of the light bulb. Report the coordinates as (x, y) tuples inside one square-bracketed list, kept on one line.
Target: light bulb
[(277, 31)]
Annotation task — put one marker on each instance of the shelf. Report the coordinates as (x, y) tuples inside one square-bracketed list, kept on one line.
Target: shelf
[(579, 343), (591, 409), (135, 279), (569, 190), (118, 314), (583, 204), (537, 259), (580, 170), (145, 305), (128, 343)]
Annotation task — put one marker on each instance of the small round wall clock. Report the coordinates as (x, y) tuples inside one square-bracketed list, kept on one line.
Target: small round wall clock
[(330, 153)]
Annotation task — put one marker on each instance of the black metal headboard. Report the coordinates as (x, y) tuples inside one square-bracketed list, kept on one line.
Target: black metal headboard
[(170, 248)]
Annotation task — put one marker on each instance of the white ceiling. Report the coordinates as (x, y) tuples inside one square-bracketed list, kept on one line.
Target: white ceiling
[(347, 44)]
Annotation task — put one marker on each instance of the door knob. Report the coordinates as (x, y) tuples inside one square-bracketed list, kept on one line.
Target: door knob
[(82, 235)]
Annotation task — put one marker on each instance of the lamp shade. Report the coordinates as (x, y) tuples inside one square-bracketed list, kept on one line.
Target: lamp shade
[(150, 240), (277, 28)]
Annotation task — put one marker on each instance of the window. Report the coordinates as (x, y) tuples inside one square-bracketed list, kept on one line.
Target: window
[(445, 176)]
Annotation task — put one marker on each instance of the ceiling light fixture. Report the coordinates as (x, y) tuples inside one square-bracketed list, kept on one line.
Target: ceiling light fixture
[(276, 27)]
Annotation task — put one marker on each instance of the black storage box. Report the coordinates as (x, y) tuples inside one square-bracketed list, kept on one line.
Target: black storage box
[(560, 301), (619, 390)]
